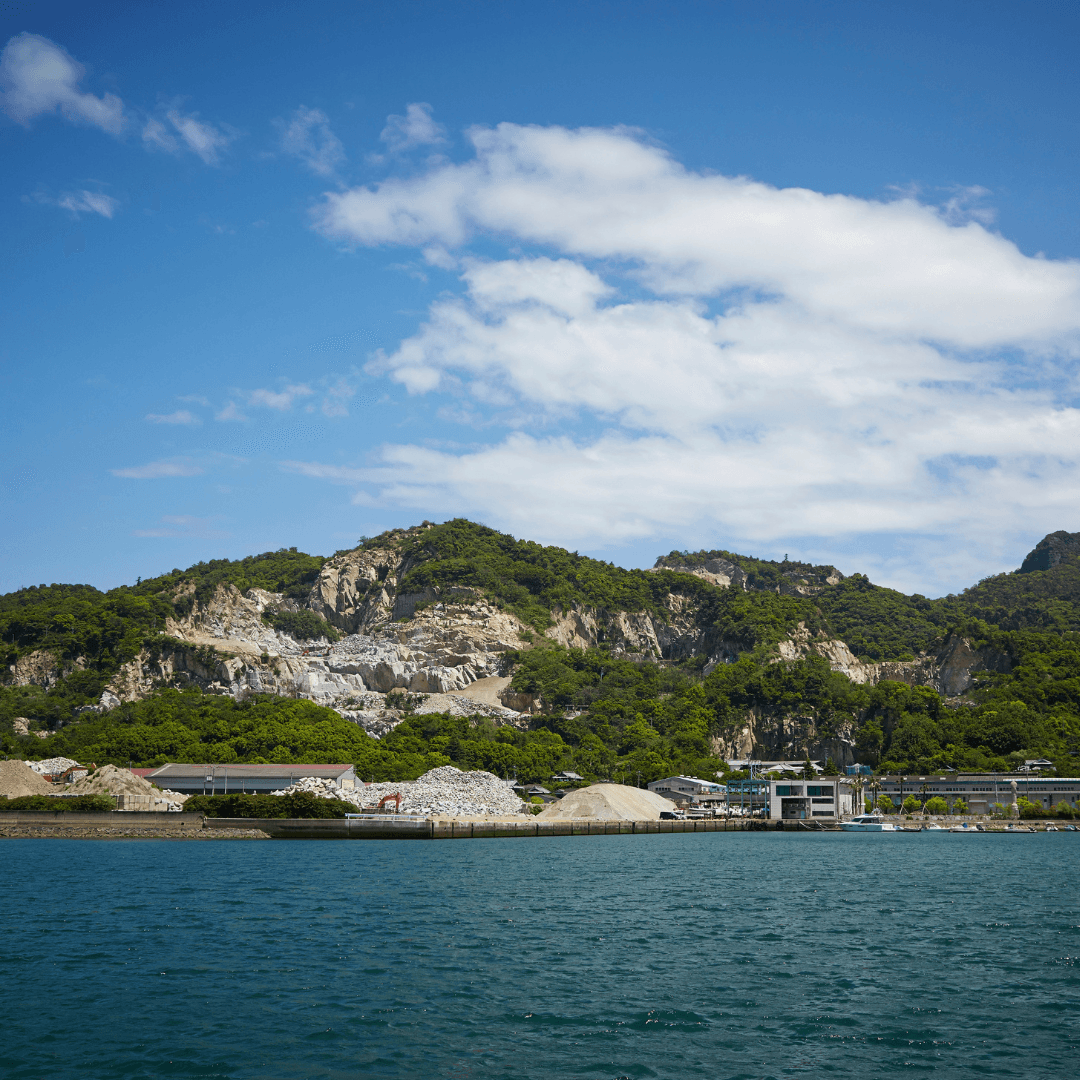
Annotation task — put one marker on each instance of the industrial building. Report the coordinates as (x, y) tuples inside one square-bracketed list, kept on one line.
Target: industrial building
[(981, 791), (688, 789), (244, 779), (825, 797)]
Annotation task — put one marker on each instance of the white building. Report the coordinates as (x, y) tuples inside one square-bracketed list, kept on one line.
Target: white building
[(806, 800), (688, 789)]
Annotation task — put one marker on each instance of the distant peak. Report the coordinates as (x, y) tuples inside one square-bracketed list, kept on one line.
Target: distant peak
[(1051, 550)]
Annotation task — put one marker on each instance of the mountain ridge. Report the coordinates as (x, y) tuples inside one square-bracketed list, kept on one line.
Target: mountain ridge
[(426, 612)]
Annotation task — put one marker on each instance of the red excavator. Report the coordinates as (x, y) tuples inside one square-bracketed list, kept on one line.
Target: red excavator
[(395, 799)]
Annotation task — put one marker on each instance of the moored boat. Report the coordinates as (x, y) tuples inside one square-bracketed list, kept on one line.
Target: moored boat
[(867, 823)]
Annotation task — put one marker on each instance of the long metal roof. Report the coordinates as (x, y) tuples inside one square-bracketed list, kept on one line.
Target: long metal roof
[(174, 770)]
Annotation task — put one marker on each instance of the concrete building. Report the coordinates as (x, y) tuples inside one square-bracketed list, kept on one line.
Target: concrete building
[(241, 779), (688, 789), (981, 791), (807, 800)]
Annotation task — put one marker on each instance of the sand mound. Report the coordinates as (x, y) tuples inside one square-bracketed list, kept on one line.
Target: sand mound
[(18, 779), (607, 802), (110, 780)]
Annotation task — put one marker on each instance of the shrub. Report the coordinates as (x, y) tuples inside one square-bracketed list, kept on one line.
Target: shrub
[(80, 804), (936, 805), (1064, 810), (298, 804), (302, 625), (959, 806), (1029, 809)]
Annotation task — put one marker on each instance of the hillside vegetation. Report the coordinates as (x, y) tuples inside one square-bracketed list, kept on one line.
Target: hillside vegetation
[(604, 715)]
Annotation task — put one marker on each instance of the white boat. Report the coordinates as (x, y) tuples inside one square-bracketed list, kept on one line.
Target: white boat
[(965, 828), (932, 828), (867, 823)]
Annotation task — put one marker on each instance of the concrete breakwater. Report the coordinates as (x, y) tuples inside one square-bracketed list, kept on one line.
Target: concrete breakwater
[(393, 826)]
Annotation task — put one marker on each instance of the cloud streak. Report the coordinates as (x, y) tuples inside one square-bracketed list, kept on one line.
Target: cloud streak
[(306, 135), (158, 470)]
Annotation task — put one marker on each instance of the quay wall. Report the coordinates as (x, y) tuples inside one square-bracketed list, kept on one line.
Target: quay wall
[(109, 818), (391, 826)]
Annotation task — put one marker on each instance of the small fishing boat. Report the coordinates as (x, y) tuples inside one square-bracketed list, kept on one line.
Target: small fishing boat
[(965, 828), (931, 828), (867, 823)]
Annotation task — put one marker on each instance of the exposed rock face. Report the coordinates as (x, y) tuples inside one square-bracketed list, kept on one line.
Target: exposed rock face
[(1050, 551), (715, 571), (42, 669), (787, 738), (443, 648), (800, 580)]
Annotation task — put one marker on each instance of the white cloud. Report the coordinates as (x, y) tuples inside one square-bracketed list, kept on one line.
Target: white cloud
[(306, 134), (37, 77), (230, 412), (278, 399), (89, 202), (183, 526), (415, 128), (157, 470), (181, 416), (187, 132), (745, 362)]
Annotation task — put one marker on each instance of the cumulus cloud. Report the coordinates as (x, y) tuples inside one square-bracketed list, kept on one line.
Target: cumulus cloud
[(727, 357), (157, 470), (181, 416), (415, 128), (306, 134), (38, 77), (187, 132)]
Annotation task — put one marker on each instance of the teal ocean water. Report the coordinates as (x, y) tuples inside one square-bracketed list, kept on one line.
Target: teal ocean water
[(723, 955)]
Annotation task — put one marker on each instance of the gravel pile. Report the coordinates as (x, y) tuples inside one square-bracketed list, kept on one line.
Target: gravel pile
[(111, 780), (52, 765), (18, 779), (445, 790)]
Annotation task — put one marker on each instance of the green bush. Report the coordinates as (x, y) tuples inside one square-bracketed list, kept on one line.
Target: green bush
[(936, 805), (1064, 810), (302, 625), (959, 806), (298, 804), (80, 804)]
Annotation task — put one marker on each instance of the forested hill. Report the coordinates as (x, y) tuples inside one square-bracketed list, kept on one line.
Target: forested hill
[(608, 709)]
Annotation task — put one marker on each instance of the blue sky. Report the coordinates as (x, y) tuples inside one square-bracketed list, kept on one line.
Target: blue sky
[(777, 278)]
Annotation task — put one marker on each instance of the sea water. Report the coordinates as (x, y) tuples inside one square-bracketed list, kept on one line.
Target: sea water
[(716, 955)]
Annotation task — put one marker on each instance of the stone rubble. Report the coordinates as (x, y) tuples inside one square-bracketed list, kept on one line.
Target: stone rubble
[(52, 765), (442, 791)]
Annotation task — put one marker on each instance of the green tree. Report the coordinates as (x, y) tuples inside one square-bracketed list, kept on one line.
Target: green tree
[(937, 806), (911, 805)]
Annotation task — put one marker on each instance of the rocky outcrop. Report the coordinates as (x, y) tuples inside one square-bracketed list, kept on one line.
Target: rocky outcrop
[(950, 671), (42, 668), (716, 571), (1050, 551), (798, 579), (786, 738)]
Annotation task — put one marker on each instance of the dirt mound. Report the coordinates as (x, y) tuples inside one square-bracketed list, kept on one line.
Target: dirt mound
[(18, 779), (607, 802), (110, 780)]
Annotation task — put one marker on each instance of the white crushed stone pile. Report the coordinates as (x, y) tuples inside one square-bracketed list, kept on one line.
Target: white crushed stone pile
[(445, 790), (52, 765), (18, 779), (607, 802)]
